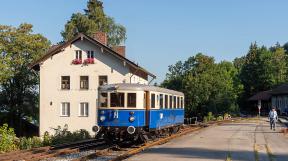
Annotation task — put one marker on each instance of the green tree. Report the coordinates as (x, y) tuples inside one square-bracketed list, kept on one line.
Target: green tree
[(94, 20), (19, 47), (208, 86)]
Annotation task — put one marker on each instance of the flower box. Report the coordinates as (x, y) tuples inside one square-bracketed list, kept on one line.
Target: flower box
[(77, 61), (89, 61)]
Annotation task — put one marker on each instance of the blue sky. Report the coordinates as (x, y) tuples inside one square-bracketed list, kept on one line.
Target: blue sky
[(165, 31)]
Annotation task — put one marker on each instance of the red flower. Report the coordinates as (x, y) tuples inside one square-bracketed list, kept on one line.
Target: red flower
[(89, 61), (77, 61)]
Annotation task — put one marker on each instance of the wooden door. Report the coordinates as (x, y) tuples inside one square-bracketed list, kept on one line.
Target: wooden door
[(147, 107)]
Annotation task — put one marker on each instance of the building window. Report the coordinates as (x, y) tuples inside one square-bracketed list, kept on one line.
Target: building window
[(103, 100), (103, 79), (84, 108), (161, 100), (65, 82), (152, 100), (65, 109), (84, 82), (166, 101), (131, 100), (90, 54), (117, 99), (78, 54)]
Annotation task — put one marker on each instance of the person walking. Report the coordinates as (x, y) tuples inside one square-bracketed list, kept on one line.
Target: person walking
[(273, 117)]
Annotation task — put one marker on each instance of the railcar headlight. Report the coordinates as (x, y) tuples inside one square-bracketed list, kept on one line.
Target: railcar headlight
[(102, 112), (102, 118), (131, 118)]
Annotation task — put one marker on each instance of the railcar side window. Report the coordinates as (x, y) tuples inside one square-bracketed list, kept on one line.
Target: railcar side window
[(152, 100), (161, 100), (170, 102), (178, 102), (117, 99), (103, 100), (174, 102), (131, 100), (182, 102), (157, 99), (166, 101)]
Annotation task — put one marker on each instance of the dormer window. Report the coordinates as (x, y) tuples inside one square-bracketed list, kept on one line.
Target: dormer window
[(78, 57), (90, 54), (90, 58), (78, 54)]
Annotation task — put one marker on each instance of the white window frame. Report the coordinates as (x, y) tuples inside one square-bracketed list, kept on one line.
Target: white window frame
[(90, 54), (78, 54), (85, 110), (66, 113)]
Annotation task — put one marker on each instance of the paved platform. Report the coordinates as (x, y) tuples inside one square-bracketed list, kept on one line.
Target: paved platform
[(242, 141)]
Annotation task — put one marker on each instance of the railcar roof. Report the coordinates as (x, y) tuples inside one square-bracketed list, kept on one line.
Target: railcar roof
[(138, 87)]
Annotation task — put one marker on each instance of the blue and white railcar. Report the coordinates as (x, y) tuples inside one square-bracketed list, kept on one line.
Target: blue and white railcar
[(138, 111)]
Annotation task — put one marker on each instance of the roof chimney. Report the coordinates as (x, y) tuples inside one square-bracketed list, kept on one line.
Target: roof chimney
[(101, 37), (120, 50)]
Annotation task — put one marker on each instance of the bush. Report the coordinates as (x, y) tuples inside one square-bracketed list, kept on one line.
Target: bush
[(226, 116), (210, 116), (65, 136), (7, 139), (28, 143), (219, 118), (46, 139), (205, 119)]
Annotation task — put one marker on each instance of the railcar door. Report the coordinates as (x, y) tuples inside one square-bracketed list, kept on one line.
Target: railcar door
[(147, 107)]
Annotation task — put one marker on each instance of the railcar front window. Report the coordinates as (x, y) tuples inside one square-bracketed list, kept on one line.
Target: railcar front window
[(117, 99), (161, 100), (131, 100), (152, 100), (103, 100)]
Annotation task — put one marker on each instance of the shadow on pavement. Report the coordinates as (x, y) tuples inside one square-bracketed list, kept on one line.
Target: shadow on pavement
[(200, 153)]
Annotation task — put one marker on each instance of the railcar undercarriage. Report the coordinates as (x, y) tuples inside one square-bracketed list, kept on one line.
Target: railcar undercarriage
[(140, 134)]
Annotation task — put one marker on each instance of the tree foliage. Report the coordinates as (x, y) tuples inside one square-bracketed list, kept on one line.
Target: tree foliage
[(262, 69), (208, 86), (94, 19), (19, 47), (225, 86)]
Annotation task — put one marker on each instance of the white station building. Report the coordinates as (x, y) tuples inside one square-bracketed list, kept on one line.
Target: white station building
[(70, 75)]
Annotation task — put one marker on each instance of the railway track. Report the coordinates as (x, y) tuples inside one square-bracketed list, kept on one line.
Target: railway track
[(99, 147), (51, 151)]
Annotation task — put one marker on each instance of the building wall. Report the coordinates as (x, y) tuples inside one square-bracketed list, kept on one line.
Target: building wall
[(51, 94), (280, 102)]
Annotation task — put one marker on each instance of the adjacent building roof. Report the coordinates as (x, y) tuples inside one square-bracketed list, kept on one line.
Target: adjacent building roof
[(263, 96), (58, 48), (281, 89), (266, 95)]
